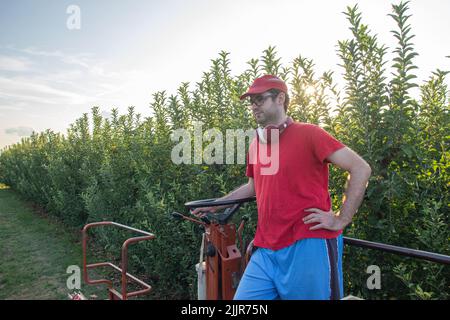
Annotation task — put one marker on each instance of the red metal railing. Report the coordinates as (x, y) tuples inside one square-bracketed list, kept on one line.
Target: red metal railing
[(113, 294)]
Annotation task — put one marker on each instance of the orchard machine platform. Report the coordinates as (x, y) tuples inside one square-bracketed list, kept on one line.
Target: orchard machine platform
[(220, 258), (222, 261), (113, 294)]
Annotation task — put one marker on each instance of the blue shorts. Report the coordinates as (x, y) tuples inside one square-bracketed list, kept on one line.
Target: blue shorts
[(309, 269)]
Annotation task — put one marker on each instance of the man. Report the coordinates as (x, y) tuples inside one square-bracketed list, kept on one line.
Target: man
[(299, 237)]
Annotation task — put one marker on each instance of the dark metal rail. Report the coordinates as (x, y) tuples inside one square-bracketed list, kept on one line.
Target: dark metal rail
[(419, 254)]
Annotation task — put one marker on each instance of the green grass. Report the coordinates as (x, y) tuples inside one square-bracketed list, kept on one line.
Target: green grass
[(35, 252)]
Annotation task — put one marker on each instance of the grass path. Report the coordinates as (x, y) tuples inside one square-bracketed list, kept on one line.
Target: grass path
[(35, 252)]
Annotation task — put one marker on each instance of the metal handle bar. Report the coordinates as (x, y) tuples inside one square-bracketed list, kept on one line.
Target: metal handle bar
[(213, 202), (419, 254)]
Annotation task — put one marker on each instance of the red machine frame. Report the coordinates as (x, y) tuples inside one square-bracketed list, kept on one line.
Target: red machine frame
[(114, 294), (224, 261)]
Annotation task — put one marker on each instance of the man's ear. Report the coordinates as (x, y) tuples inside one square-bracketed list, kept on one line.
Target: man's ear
[(281, 98)]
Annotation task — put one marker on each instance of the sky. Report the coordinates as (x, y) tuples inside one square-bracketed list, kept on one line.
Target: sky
[(56, 65)]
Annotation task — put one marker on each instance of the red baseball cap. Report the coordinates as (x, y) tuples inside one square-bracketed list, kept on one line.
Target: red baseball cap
[(265, 83)]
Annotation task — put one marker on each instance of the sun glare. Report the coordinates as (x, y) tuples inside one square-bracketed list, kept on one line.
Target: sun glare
[(310, 90)]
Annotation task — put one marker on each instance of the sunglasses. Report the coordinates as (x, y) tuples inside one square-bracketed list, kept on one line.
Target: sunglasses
[(259, 99)]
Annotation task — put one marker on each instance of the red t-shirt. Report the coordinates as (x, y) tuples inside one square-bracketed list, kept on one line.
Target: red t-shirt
[(300, 182)]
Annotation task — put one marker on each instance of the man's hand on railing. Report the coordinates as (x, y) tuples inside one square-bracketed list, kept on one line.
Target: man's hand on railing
[(201, 212)]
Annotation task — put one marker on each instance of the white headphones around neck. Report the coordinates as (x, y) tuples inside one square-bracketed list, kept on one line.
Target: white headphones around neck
[(264, 134)]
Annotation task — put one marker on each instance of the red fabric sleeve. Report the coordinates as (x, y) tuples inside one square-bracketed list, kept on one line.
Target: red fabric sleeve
[(324, 144), (249, 169)]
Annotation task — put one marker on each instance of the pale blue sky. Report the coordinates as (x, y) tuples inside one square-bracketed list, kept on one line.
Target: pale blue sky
[(127, 50)]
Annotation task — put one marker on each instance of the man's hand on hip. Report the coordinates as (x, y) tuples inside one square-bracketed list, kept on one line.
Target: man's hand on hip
[(325, 220)]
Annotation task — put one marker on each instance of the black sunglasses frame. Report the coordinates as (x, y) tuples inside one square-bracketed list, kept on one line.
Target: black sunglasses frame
[(259, 99)]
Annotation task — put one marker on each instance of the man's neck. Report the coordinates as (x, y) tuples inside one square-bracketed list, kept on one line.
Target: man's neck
[(277, 122)]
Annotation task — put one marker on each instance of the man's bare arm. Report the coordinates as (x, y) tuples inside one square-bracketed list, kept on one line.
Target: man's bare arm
[(245, 191), (360, 171), (359, 176)]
